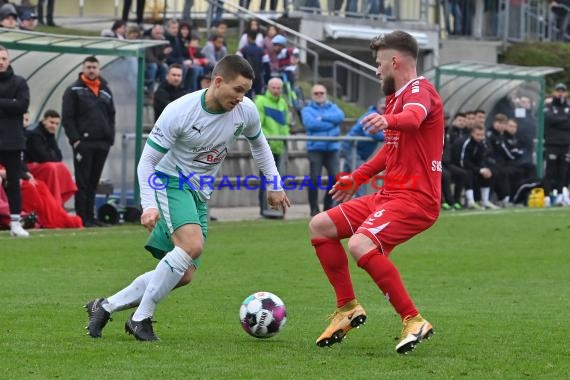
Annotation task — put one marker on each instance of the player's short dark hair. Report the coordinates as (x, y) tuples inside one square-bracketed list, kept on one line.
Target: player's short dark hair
[(52, 113), (459, 114), (480, 111), (397, 40), (231, 66), (91, 58)]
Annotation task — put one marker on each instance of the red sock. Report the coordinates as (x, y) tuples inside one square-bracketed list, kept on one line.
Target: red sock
[(334, 261), (387, 277)]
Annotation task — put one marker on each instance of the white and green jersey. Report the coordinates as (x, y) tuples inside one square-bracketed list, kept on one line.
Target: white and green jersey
[(195, 142)]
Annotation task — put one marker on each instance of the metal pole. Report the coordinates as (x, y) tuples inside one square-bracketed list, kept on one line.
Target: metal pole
[(540, 131), (139, 120), (124, 147)]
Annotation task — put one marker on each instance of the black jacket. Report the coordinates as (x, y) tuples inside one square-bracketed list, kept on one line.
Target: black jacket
[(164, 94), (41, 145), (557, 123), (469, 154), (14, 102), (89, 118)]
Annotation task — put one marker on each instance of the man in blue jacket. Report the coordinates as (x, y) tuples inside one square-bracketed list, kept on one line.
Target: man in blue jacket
[(353, 158), (322, 118)]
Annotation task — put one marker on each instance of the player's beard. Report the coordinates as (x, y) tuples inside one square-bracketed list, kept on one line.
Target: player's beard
[(388, 85)]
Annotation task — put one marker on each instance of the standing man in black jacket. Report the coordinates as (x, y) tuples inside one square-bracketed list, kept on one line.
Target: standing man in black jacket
[(88, 117), (556, 142), (14, 102), (169, 90)]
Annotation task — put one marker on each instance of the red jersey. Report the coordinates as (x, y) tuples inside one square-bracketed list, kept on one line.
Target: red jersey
[(413, 146)]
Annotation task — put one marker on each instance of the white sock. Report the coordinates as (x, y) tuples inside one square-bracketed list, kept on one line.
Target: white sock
[(130, 296), (506, 199), (470, 197), (485, 192), (14, 218), (164, 278)]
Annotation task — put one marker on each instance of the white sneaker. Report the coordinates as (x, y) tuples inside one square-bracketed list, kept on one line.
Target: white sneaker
[(17, 230), (490, 206)]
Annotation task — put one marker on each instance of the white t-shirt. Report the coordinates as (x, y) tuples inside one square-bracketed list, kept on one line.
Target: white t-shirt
[(195, 141)]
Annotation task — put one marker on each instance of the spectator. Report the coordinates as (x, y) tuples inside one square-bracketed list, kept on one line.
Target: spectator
[(469, 120), (254, 54), (133, 33), (14, 102), (186, 11), (275, 121), (49, 12), (214, 50), (155, 58), (28, 21), (8, 16), (287, 58), (322, 118), (45, 159), (140, 10), (89, 121), (179, 54), (515, 169), (470, 154), (205, 81), (271, 65), (118, 30), (216, 11), (458, 128), (502, 155), (199, 61), (169, 90), (220, 30), (557, 142), (353, 158), (26, 119), (252, 25), (480, 117), (452, 174), (526, 129)]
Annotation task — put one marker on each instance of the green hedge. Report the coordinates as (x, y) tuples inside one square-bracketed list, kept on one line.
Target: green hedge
[(553, 54)]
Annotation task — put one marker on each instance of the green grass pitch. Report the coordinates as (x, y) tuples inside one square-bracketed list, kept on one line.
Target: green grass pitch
[(494, 285)]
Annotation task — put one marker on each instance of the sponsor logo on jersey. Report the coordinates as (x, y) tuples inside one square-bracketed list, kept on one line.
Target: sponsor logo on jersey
[(212, 157), (239, 128)]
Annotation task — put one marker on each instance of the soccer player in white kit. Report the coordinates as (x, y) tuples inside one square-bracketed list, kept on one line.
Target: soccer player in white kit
[(184, 151)]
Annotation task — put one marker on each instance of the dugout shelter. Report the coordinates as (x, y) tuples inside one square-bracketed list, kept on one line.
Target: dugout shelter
[(475, 85), (50, 63)]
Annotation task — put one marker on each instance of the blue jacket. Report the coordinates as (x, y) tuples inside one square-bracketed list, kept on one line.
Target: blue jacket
[(363, 148), (322, 120)]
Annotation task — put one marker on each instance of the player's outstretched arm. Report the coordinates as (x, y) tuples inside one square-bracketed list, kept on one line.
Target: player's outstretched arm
[(147, 177)]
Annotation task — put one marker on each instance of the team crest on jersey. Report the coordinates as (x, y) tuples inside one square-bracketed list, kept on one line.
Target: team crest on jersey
[(239, 128), (212, 157)]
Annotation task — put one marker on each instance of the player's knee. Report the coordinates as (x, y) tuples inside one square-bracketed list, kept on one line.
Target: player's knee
[(193, 248), (321, 225), (359, 245)]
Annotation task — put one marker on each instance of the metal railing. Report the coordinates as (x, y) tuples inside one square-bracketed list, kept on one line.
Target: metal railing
[(127, 138), (349, 68)]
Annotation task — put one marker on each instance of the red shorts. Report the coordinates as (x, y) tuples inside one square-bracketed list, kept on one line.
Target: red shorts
[(386, 221)]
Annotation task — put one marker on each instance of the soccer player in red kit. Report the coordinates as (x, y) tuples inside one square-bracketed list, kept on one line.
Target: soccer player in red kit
[(406, 205)]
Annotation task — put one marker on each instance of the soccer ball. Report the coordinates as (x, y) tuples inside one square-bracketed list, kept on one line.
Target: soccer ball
[(262, 315)]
